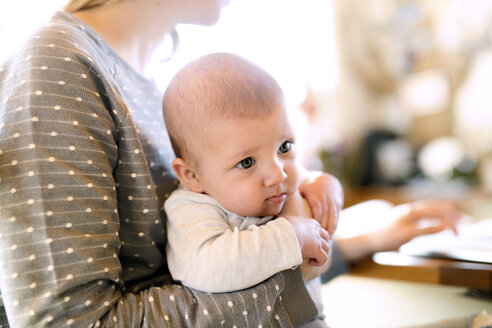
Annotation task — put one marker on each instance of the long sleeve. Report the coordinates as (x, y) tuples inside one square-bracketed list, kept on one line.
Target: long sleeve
[(59, 160), (84, 168), (208, 253)]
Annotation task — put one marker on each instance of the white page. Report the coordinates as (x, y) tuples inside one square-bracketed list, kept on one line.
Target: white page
[(473, 243)]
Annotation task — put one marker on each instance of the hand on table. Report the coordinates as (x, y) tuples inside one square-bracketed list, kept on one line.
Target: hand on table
[(415, 219)]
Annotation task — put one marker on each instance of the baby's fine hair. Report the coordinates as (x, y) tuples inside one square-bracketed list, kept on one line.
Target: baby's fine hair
[(216, 86)]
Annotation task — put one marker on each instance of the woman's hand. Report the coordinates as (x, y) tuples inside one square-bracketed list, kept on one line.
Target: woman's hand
[(415, 219), (406, 222), (324, 194)]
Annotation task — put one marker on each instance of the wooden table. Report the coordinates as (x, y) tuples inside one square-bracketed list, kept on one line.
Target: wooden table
[(393, 265)]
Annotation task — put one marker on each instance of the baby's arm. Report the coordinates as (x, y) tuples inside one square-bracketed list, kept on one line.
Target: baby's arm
[(207, 254), (297, 206), (324, 194)]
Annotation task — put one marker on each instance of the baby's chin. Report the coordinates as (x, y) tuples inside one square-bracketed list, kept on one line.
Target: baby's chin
[(259, 213), (271, 212), (275, 213)]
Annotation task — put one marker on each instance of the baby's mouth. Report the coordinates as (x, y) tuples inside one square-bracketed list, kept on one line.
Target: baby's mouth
[(277, 199)]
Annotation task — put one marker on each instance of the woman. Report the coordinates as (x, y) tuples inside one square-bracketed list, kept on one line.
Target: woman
[(85, 168)]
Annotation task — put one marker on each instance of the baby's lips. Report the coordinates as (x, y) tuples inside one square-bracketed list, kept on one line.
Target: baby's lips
[(277, 199)]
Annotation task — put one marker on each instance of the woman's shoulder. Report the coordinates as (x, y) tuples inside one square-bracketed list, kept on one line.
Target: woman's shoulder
[(62, 51), (61, 40)]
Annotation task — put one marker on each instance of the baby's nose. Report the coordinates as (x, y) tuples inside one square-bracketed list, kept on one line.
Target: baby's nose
[(275, 175)]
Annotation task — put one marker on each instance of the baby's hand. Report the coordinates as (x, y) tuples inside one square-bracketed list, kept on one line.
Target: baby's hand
[(324, 195), (313, 239), (310, 271)]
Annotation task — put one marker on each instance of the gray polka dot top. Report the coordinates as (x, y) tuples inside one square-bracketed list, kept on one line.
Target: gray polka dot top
[(84, 169)]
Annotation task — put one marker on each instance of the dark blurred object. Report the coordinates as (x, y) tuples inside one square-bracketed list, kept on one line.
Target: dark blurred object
[(336, 161), (385, 159)]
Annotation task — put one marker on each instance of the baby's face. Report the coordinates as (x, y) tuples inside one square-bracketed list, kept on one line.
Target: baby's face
[(249, 164)]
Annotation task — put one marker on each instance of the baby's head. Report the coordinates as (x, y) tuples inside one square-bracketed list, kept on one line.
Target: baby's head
[(231, 134), (218, 86)]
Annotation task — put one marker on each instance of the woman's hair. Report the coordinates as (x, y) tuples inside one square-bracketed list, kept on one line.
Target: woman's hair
[(77, 5)]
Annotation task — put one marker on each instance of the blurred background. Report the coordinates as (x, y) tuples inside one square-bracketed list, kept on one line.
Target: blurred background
[(392, 95)]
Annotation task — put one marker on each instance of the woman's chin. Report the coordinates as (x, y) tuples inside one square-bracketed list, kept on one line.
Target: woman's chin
[(210, 21)]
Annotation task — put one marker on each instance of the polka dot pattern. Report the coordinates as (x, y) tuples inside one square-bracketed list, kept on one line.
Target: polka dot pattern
[(69, 167)]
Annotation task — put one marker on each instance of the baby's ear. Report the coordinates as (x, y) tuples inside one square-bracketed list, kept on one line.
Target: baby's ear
[(186, 174)]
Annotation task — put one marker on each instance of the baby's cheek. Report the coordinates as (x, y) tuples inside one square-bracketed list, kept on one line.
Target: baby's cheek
[(248, 205), (293, 177)]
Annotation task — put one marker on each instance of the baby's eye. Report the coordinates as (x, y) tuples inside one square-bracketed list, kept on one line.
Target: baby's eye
[(246, 163), (285, 147)]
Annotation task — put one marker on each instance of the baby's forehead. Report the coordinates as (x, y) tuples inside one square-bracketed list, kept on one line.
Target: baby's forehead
[(278, 118), (228, 140)]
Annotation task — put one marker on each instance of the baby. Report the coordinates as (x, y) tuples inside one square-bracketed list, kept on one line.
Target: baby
[(228, 228)]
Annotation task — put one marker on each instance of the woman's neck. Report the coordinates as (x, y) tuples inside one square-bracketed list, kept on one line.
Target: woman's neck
[(134, 29)]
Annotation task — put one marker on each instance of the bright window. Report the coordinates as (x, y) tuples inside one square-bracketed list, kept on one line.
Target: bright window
[(292, 39)]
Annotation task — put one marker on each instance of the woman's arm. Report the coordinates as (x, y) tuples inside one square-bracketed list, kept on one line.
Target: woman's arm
[(209, 253), (81, 234), (277, 301), (405, 223)]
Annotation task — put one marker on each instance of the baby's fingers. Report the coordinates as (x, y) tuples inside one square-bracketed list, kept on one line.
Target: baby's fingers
[(324, 250), (325, 235), (322, 255), (326, 212), (316, 208), (325, 215), (333, 213)]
